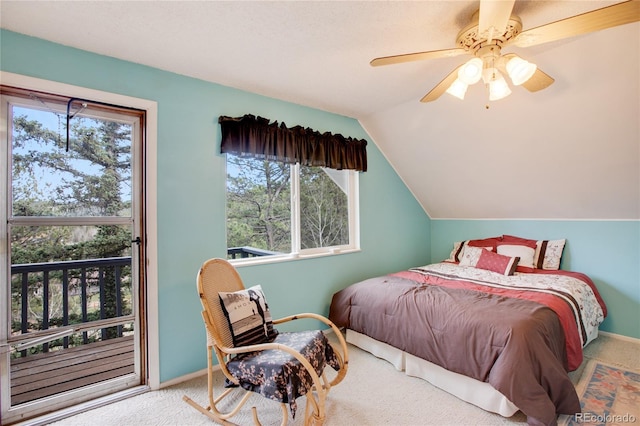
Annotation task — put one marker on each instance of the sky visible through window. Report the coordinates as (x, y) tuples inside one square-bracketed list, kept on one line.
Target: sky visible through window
[(47, 181)]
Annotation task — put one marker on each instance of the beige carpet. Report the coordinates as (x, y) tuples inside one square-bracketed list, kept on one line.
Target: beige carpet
[(373, 393)]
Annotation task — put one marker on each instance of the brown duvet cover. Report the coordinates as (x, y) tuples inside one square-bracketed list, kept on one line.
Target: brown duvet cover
[(474, 327)]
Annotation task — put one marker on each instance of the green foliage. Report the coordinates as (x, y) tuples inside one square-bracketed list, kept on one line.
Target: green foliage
[(258, 204)]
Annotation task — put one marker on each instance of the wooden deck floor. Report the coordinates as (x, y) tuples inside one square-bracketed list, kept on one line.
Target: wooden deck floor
[(47, 374)]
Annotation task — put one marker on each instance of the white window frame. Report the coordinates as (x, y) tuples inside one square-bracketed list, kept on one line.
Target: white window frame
[(353, 201)]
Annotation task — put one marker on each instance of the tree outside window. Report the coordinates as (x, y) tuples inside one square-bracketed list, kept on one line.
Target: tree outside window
[(266, 217)]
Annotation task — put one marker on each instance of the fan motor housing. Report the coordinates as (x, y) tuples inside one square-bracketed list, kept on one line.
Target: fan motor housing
[(470, 40)]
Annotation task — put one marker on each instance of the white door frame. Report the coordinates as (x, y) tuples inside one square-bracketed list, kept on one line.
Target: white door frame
[(150, 184)]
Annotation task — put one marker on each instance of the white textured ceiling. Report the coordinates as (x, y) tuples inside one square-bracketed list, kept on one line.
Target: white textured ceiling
[(570, 151)]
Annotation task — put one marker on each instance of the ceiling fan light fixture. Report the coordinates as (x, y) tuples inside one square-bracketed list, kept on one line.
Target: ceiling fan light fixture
[(458, 89), (471, 72), (498, 88), (520, 70)]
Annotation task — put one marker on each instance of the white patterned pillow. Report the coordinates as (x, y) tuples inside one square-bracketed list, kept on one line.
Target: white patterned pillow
[(455, 253), (548, 254), (248, 316), (471, 255)]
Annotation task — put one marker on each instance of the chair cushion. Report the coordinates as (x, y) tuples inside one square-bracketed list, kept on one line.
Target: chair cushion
[(278, 375), (248, 316)]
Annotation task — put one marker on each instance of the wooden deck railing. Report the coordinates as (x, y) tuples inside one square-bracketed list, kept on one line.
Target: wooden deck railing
[(32, 284), (246, 251)]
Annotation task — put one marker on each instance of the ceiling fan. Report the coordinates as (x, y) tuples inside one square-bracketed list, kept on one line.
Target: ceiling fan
[(491, 28)]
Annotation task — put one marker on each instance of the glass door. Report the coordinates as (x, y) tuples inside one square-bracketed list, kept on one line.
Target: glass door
[(73, 237)]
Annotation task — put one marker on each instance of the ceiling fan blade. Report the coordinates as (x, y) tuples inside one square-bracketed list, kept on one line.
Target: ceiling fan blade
[(419, 56), (494, 16), (538, 81), (596, 20), (441, 87)]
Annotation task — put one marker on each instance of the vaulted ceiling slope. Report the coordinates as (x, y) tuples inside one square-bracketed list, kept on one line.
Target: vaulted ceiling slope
[(571, 151)]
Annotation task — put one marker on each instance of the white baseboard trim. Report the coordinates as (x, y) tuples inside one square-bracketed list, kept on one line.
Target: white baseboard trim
[(620, 337), (186, 377)]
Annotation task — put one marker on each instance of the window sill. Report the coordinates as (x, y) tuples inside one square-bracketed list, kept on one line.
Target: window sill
[(239, 263)]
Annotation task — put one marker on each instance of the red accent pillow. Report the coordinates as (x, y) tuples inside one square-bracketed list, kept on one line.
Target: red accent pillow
[(486, 242), (495, 262)]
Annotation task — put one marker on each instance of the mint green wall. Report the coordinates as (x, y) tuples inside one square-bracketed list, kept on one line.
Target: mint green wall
[(191, 198), (607, 251)]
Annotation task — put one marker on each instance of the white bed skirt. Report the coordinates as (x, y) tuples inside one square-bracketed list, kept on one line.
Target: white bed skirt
[(470, 390)]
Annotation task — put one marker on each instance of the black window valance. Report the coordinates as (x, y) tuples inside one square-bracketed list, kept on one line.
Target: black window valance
[(257, 137)]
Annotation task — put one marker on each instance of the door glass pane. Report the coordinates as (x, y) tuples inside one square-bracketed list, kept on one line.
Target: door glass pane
[(66, 275), (92, 179), (324, 208)]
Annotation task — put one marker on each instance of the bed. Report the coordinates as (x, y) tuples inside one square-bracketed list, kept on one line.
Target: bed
[(495, 332)]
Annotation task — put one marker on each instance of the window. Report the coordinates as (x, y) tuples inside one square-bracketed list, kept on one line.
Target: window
[(279, 210)]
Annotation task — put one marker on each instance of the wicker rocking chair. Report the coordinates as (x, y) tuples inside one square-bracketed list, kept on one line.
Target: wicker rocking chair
[(281, 367)]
